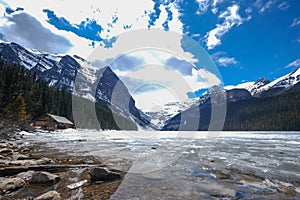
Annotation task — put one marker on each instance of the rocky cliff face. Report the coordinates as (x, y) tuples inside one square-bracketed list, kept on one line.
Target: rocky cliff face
[(198, 116), (237, 95), (76, 75)]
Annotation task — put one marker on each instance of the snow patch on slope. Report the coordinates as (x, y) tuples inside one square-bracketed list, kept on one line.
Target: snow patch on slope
[(284, 81), (247, 85)]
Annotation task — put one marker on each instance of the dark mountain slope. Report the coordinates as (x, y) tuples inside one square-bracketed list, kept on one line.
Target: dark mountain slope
[(75, 75), (272, 113), (24, 97)]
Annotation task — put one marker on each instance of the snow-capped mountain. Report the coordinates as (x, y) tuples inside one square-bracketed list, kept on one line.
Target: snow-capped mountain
[(259, 89), (215, 96), (251, 86), (283, 82), (246, 85), (169, 110), (263, 86), (74, 74)]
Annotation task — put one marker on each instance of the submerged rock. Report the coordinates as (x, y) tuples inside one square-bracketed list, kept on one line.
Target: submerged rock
[(51, 195), (25, 150), (6, 151), (42, 161), (222, 175), (45, 161), (101, 174), (3, 145), (288, 190), (44, 178), (18, 156), (11, 184)]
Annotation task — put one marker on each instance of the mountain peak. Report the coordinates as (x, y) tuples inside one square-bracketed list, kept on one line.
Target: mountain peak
[(263, 81), (73, 74)]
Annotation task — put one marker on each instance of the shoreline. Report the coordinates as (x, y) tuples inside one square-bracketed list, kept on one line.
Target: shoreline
[(210, 177), (225, 172), (17, 156)]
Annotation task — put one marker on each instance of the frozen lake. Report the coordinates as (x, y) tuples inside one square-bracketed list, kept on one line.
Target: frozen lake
[(191, 165)]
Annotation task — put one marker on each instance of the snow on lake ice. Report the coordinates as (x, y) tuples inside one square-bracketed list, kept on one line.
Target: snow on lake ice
[(189, 164)]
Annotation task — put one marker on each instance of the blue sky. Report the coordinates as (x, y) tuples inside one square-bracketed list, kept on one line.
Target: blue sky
[(247, 40)]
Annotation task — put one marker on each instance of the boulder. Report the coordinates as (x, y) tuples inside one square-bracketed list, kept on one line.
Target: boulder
[(102, 174), (51, 195), (45, 161), (44, 178), (11, 184), (27, 176)]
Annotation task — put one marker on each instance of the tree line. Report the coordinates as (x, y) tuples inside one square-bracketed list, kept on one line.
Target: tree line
[(23, 96), (273, 113)]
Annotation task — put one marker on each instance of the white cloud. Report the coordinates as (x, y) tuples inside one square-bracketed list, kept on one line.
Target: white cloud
[(266, 6), (216, 2), (174, 86), (102, 11), (196, 35), (158, 73), (154, 71), (249, 10), (203, 6), (214, 6), (155, 100), (283, 6), (295, 63), (133, 42), (296, 22), (160, 47), (154, 46), (231, 18), (263, 5), (31, 37), (2, 10), (225, 61)]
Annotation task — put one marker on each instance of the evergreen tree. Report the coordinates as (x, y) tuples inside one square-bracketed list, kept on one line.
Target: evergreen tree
[(24, 96)]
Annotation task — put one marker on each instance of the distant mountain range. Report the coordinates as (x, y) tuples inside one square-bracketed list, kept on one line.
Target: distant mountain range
[(260, 105), (252, 106), (77, 76), (264, 87), (169, 110)]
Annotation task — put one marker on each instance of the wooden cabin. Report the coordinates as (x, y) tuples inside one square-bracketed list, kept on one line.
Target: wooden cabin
[(51, 122)]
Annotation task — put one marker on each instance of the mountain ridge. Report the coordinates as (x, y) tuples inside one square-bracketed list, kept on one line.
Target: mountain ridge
[(275, 107), (76, 75)]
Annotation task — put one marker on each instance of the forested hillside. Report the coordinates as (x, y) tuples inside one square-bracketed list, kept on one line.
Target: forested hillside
[(24, 97), (275, 113), (278, 112)]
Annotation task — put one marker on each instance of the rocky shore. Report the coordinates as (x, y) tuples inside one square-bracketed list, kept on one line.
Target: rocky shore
[(26, 174), (33, 168)]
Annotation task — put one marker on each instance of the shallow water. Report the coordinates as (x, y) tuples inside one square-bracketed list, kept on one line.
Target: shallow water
[(192, 165)]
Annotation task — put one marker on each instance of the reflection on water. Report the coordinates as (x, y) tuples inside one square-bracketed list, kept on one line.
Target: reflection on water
[(192, 165)]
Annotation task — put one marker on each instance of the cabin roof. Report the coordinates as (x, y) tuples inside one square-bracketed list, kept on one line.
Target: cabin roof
[(60, 119)]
